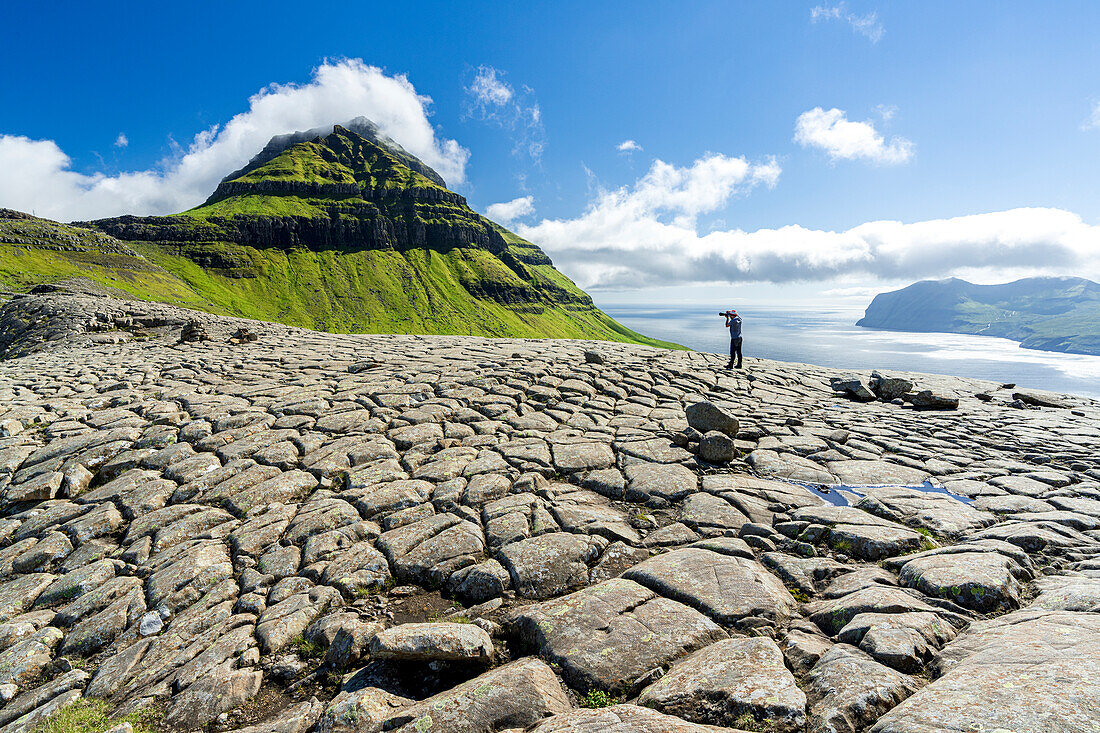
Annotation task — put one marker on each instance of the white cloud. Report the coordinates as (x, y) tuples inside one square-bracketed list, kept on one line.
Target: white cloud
[(855, 292), (37, 174), (1093, 122), (489, 89), (121, 141), (628, 146), (509, 211), (649, 235), (843, 139), (866, 25), (490, 99)]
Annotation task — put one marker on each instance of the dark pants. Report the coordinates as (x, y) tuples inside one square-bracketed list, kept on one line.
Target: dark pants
[(735, 350)]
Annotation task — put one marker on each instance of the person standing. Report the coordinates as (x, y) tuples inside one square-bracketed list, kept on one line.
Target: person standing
[(733, 323)]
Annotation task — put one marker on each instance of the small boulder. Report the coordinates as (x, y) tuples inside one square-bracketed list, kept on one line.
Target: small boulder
[(716, 447), (929, 400), (889, 388), (243, 336), (480, 583), (1041, 399), (707, 416), (591, 357), (856, 387), (193, 331), (430, 642)]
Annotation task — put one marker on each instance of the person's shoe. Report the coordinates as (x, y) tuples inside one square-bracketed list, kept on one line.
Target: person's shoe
[(730, 365), (738, 366)]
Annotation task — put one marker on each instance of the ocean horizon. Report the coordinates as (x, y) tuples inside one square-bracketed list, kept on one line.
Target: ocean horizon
[(829, 337)]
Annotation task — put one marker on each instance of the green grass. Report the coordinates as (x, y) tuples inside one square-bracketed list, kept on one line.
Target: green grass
[(747, 721), (305, 162), (257, 205), (90, 716), (305, 648), (597, 699), (385, 291), (36, 251)]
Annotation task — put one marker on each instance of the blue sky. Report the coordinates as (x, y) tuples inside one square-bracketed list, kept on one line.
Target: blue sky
[(977, 109)]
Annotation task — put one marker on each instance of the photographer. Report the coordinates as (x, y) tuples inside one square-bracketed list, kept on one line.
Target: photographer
[(733, 323)]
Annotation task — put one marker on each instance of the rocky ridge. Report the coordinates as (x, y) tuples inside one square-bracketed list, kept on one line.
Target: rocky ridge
[(298, 531)]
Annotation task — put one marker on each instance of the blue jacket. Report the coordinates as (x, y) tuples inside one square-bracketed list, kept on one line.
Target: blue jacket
[(735, 327)]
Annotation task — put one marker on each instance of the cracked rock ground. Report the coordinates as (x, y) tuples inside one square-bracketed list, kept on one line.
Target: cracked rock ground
[(319, 532)]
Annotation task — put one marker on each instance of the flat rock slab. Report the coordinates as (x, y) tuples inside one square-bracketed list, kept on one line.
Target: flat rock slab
[(850, 690), (573, 457), (550, 564), (807, 574), (710, 514), (429, 642), (1068, 593), (876, 473), (608, 635), (858, 533), (727, 680), (904, 641), (937, 513), (741, 488), (1031, 671), (789, 466), (622, 719), (653, 450), (724, 587), (515, 695), (981, 581), (833, 614), (668, 481), (802, 649), (1038, 536)]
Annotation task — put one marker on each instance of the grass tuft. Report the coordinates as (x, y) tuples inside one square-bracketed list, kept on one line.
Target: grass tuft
[(90, 716), (305, 648), (597, 699)]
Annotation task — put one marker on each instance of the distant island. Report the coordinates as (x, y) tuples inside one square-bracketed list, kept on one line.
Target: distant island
[(1047, 313)]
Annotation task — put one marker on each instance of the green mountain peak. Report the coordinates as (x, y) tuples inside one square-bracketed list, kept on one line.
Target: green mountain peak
[(342, 231)]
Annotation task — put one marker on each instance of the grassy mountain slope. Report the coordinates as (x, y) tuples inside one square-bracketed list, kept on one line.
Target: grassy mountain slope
[(337, 233), (1048, 313), (34, 251)]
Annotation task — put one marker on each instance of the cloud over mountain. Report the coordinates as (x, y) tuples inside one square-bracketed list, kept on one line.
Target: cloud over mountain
[(508, 211), (649, 234), (37, 174)]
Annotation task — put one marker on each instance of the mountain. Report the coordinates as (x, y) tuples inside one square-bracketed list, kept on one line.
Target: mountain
[(361, 126), (1048, 313), (34, 251), (343, 232)]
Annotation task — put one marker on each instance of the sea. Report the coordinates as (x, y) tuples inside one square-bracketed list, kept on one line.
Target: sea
[(830, 338)]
